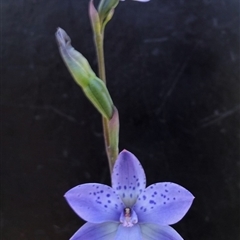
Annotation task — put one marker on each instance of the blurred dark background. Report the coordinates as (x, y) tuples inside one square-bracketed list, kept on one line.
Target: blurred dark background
[(173, 73)]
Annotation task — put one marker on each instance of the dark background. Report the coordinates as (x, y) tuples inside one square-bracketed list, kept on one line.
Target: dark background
[(173, 73)]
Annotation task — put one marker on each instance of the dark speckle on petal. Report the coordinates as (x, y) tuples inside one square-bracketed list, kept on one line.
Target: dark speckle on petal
[(152, 202)]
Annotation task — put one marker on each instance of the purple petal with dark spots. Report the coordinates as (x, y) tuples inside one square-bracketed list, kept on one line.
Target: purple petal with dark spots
[(128, 233), (163, 203), (95, 203), (157, 232), (128, 178), (96, 231)]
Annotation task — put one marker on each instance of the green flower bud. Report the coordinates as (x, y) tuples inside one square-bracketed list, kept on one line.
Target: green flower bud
[(93, 87), (106, 10)]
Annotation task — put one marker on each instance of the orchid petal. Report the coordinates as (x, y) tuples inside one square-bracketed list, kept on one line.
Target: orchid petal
[(128, 178), (157, 232), (128, 233), (95, 203), (163, 203), (101, 231)]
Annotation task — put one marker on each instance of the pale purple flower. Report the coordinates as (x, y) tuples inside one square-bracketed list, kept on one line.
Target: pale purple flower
[(128, 210)]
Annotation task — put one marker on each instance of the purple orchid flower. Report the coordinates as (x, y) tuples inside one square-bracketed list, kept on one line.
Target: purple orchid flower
[(128, 210)]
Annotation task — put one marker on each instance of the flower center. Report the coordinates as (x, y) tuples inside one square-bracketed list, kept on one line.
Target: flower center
[(128, 217)]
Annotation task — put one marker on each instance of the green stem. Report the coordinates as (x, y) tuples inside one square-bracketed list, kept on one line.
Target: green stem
[(99, 42), (99, 37), (110, 125)]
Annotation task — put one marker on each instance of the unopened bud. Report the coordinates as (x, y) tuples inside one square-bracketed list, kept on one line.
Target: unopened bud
[(106, 10), (93, 87)]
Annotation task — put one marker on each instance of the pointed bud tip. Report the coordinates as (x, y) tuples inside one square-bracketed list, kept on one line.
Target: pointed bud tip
[(63, 39), (92, 10), (94, 17)]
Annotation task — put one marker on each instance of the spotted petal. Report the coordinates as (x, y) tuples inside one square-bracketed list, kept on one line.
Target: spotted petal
[(163, 203), (157, 232), (128, 178), (128, 233), (100, 231), (95, 203)]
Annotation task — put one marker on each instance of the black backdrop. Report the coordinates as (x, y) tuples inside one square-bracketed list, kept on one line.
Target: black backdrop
[(173, 73)]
